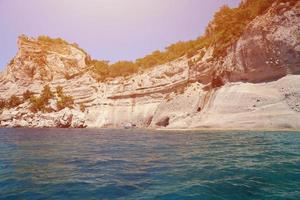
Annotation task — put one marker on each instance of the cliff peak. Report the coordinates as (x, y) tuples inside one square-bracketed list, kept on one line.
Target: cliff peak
[(45, 59)]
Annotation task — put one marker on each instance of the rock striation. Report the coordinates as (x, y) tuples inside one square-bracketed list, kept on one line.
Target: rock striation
[(256, 85)]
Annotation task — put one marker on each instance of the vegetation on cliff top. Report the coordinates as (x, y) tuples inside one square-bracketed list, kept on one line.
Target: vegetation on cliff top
[(222, 32), (226, 27)]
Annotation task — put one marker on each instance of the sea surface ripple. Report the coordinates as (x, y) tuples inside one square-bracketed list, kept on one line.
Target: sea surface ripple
[(142, 164)]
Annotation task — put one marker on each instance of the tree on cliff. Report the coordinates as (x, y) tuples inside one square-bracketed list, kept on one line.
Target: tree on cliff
[(40, 103), (64, 101), (47, 94)]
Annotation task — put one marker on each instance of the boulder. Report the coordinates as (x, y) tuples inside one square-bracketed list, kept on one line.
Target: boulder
[(68, 118), (52, 105), (64, 118), (23, 123), (7, 115), (5, 123), (129, 125), (44, 124), (78, 120)]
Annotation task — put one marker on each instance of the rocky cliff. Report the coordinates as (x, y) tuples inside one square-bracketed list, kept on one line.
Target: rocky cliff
[(256, 85)]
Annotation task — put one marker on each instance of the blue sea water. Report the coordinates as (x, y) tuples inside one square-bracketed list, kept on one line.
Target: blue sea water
[(137, 164)]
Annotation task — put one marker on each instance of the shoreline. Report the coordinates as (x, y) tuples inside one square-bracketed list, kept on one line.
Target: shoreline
[(167, 130), (231, 129)]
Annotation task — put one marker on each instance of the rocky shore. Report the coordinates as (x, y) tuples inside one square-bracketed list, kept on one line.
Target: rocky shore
[(65, 118)]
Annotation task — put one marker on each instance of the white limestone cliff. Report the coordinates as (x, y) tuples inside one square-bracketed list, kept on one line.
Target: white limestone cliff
[(256, 86)]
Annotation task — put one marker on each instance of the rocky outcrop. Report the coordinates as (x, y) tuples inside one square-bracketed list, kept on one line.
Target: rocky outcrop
[(46, 59), (69, 119), (65, 118), (267, 50), (256, 85), (271, 105)]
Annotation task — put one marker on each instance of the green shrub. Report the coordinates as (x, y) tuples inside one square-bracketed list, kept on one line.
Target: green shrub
[(230, 23), (191, 53), (47, 94), (65, 101), (14, 101), (44, 38), (40, 103), (37, 104), (27, 95), (101, 69), (122, 68)]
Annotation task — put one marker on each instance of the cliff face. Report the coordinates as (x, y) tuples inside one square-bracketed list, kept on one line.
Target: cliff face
[(255, 86), (267, 50)]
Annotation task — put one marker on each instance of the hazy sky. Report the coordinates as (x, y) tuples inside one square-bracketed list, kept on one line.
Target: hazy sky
[(107, 29)]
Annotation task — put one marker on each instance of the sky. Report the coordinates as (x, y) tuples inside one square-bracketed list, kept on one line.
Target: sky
[(106, 29)]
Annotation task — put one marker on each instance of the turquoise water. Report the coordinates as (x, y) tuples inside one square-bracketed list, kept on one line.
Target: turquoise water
[(135, 164)]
